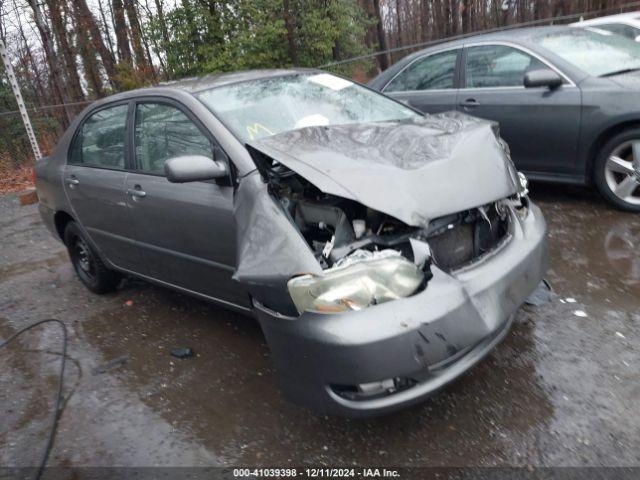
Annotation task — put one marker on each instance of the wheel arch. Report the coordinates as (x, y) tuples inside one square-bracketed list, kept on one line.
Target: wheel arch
[(61, 219), (603, 137)]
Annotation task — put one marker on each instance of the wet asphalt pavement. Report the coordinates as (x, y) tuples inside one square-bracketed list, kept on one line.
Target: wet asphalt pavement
[(561, 389)]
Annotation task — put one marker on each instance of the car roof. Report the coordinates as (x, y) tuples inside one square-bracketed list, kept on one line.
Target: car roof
[(514, 34), (635, 16), (524, 36), (195, 84)]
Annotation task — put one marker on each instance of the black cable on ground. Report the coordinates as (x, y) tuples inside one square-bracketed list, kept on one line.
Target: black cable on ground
[(56, 411)]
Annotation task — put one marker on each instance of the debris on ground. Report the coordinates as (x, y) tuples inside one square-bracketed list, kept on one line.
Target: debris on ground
[(541, 295), (184, 352), (116, 362), (128, 303), (28, 197), (580, 313), (621, 335), (14, 179)]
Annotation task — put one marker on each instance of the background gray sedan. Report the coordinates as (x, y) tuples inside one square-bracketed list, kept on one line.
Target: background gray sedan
[(567, 100)]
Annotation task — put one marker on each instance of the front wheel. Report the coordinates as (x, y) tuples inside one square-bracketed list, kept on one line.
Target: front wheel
[(87, 264), (617, 170)]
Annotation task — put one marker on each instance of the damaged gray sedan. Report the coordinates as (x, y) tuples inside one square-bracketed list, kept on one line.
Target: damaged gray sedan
[(383, 252)]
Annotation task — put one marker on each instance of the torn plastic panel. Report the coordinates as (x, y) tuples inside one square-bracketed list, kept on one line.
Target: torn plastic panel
[(269, 248), (412, 170)]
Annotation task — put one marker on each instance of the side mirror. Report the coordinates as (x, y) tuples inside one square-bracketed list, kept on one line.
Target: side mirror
[(194, 168), (542, 78)]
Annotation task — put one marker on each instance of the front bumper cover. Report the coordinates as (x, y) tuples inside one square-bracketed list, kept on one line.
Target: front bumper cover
[(435, 335)]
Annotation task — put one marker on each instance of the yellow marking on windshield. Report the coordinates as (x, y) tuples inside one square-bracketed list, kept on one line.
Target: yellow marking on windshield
[(255, 129)]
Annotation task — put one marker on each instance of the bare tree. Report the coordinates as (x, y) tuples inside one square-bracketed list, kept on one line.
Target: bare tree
[(71, 68), (105, 26), (52, 59), (136, 35), (122, 35), (86, 21), (383, 60), (291, 36)]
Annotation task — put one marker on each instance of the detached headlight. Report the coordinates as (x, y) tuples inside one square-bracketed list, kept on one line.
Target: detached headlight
[(356, 286)]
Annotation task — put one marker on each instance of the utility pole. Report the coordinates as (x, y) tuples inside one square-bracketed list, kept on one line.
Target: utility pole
[(20, 101)]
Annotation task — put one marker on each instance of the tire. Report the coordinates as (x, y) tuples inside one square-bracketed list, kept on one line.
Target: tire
[(87, 264), (618, 180)]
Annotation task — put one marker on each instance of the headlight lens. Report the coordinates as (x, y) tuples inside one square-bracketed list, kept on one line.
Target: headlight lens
[(356, 286), (524, 184)]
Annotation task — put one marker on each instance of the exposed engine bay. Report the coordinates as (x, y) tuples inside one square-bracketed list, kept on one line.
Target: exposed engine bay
[(341, 231)]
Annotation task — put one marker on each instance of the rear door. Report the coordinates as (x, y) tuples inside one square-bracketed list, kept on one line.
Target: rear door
[(428, 83), (94, 182), (185, 231), (541, 126)]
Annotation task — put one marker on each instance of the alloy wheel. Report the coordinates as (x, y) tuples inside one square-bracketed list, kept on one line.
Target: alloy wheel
[(622, 171)]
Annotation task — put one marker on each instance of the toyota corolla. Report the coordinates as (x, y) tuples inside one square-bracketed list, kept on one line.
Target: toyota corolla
[(384, 252)]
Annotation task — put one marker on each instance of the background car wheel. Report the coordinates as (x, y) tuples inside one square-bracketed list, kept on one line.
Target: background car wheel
[(617, 170), (90, 269)]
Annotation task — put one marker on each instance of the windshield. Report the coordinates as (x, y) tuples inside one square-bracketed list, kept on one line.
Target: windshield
[(265, 107), (597, 53)]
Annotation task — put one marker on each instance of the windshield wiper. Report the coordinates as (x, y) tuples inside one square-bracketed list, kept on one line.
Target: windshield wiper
[(620, 72)]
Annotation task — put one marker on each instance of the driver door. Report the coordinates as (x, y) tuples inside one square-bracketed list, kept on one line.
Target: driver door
[(185, 231)]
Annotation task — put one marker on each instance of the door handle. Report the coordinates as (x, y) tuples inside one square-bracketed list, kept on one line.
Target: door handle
[(137, 191), (72, 181), (470, 103)]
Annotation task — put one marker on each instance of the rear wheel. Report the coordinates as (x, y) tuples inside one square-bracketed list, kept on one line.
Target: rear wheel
[(617, 170), (87, 264)]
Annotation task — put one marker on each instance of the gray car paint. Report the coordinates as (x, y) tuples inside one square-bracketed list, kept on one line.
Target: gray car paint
[(558, 137), (409, 158), (194, 237), (461, 315)]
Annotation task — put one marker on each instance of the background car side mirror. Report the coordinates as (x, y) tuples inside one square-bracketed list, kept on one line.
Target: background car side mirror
[(544, 77), (194, 168)]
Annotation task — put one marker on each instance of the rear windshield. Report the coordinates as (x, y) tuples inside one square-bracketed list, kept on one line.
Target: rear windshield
[(265, 107), (596, 53)]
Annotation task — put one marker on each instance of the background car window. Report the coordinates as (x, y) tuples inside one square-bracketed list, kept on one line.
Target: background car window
[(498, 66), (163, 132), (595, 53), (429, 73), (101, 140), (621, 29)]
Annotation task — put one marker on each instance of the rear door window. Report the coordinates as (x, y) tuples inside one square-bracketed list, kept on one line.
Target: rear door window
[(101, 139), (433, 72), (162, 132)]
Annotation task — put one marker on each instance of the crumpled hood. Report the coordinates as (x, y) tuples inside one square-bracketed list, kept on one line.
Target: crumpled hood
[(414, 170)]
